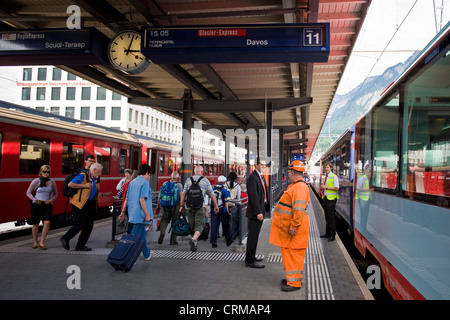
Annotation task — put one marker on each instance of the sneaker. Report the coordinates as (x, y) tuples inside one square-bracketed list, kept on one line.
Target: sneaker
[(214, 245), (193, 244), (149, 257)]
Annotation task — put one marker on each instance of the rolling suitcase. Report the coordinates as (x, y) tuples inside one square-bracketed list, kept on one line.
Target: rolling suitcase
[(125, 253)]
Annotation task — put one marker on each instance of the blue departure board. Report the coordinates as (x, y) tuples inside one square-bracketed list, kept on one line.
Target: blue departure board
[(237, 43)]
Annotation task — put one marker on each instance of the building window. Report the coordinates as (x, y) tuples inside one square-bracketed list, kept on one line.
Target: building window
[(54, 110), (71, 76), (42, 74), (101, 93), (86, 93), (27, 72), (130, 115), (115, 113), (26, 93), (100, 113), (84, 114), (116, 96), (40, 93), (70, 112), (56, 93), (70, 93), (56, 74)]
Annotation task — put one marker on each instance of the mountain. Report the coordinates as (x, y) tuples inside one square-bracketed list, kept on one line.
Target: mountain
[(346, 109)]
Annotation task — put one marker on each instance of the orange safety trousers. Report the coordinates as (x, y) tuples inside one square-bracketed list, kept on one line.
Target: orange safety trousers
[(293, 262)]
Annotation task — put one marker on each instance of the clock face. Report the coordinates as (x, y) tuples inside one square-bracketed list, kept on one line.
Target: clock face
[(124, 53)]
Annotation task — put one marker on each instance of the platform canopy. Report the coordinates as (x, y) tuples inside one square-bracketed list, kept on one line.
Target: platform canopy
[(298, 93)]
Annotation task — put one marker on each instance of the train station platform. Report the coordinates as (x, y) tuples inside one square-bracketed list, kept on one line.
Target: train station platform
[(174, 272)]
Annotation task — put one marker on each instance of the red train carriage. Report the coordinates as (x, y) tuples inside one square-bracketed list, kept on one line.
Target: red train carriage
[(164, 158), (29, 140)]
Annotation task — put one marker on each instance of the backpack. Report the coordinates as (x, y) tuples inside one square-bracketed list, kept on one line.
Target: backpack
[(168, 195), (233, 195), (218, 192), (66, 191), (194, 195), (70, 192)]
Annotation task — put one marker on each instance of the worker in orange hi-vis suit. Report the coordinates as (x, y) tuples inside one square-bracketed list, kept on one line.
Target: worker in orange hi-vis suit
[(290, 227)]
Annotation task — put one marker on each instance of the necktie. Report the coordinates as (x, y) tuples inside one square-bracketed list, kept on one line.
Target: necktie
[(264, 186)]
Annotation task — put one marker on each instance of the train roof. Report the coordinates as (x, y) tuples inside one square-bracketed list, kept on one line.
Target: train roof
[(19, 115)]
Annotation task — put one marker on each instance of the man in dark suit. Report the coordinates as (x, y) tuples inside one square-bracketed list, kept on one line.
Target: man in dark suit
[(258, 204)]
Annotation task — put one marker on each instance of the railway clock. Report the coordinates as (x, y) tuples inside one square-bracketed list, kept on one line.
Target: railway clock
[(124, 53)]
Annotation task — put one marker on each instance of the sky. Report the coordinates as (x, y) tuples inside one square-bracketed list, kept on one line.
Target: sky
[(397, 27)]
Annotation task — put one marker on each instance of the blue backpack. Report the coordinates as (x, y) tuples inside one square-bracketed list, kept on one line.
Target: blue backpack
[(168, 195)]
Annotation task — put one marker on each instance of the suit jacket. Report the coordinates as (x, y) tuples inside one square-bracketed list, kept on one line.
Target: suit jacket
[(255, 191)]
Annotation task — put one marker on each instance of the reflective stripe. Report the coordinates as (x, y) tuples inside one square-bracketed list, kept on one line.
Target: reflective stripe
[(294, 279), (299, 201), (283, 211), (294, 272), (299, 209), (284, 204)]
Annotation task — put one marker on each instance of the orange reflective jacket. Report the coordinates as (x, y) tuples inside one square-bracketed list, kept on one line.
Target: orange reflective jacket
[(290, 212)]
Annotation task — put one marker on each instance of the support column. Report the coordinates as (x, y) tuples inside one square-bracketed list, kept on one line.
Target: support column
[(186, 167), (268, 151)]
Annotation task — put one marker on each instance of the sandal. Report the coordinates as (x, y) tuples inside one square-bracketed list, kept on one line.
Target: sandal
[(42, 247), (35, 246)]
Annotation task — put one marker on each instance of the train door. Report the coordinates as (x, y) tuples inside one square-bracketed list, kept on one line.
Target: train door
[(135, 156), (153, 162)]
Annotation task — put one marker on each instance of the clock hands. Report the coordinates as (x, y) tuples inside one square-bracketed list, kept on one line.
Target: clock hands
[(129, 46)]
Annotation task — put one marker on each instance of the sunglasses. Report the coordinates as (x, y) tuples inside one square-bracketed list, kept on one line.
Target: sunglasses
[(45, 171)]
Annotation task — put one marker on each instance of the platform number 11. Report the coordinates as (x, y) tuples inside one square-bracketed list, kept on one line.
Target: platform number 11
[(312, 37)]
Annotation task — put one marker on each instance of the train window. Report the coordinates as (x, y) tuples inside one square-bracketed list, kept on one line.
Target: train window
[(34, 152), (122, 160), (72, 157), (103, 156), (161, 164), (1, 145), (385, 145), (426, 135), (171, 165)]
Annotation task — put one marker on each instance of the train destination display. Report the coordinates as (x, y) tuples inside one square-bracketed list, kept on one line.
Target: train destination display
[(237, 43), (53, 46)]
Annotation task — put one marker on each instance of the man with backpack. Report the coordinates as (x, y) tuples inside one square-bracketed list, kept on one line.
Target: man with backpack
[(223, 198), (192, 197), (84, 203), (169, 204)]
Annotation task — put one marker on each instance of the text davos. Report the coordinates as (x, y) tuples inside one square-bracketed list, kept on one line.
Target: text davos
[(251, 42)]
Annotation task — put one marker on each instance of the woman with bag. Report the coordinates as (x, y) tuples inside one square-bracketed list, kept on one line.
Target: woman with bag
[(42, 192)]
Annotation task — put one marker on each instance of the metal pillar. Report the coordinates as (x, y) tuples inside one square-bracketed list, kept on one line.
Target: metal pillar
[(186, 168)]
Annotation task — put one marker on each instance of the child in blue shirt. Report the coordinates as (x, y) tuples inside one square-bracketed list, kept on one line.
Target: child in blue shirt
[(223, 197)]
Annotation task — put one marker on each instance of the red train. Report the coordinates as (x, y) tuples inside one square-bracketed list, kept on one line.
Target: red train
[(31, 138)]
